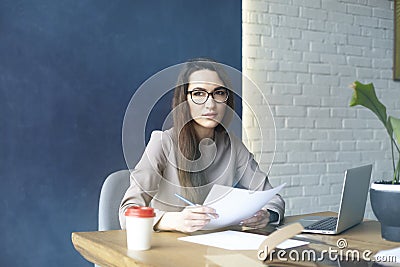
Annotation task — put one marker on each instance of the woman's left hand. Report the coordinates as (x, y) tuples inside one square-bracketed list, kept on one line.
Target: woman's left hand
[(259, 220)]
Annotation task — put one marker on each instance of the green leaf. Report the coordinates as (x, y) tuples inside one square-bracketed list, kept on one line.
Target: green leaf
[(389, 127), (364, 95), (395, 123)]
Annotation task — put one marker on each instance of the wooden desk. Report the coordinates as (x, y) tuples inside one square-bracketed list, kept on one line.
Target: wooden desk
[(108, 248)]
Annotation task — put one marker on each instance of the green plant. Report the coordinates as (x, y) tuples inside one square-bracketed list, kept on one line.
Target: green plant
[(364, 95)]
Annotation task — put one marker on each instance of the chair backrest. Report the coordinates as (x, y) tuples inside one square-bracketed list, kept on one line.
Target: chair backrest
[(112, 191)]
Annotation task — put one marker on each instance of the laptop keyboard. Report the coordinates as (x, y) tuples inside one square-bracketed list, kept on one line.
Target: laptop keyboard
[(327, 224)]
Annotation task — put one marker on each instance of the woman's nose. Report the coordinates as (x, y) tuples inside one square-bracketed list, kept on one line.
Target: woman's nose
[(210, 102)]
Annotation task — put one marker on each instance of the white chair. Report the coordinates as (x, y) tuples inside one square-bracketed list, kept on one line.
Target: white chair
[(112, 191)]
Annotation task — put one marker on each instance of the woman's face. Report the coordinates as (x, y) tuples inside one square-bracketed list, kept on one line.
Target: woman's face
[(207, 116)]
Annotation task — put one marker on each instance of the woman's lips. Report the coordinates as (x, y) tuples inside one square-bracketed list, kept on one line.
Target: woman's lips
[(210, 115)]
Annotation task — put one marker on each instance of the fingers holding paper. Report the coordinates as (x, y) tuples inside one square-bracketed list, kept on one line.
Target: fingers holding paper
[(194, 218), (190, 219), (259, 220)]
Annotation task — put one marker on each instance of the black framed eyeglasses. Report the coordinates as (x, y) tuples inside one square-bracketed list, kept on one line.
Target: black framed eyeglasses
[(200, 96)]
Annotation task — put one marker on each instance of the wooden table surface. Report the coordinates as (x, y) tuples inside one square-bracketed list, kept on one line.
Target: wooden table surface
[(108, 248)]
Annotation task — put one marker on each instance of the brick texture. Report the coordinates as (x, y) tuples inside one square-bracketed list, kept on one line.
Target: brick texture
[(303, 54)]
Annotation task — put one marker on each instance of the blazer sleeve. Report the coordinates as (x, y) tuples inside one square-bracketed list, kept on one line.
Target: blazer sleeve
[(250, 176), (145, 178)]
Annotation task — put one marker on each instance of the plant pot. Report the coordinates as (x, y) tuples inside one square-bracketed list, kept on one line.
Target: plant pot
[(385, 199)]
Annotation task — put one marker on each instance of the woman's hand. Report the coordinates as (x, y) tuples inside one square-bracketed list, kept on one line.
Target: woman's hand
[(190, 219), (259, 220)]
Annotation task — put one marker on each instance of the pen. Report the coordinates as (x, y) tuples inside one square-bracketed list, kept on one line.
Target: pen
[(192, 204)]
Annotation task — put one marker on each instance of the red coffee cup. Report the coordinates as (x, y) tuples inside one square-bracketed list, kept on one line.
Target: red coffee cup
[(139, 227)]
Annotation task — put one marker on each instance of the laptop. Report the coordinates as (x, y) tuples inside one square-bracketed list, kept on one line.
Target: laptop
[(352, 205)]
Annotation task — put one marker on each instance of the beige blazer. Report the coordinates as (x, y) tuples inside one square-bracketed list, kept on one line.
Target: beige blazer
[(154, 181)]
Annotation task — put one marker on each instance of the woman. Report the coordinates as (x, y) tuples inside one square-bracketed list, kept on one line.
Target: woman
[(202, 108)]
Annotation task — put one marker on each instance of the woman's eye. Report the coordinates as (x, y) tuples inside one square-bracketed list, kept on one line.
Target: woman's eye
[(199, 93), (220, 92)]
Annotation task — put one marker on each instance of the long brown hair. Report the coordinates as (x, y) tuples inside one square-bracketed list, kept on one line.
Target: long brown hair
[(186, 140)]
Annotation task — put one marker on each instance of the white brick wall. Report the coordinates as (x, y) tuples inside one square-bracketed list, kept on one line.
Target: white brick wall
[(303, 54)]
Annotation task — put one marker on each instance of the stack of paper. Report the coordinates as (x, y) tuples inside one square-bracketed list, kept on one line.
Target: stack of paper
[(234, 205), (233, 240)]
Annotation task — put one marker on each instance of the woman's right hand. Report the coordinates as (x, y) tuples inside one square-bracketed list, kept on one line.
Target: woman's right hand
[(188, 220)]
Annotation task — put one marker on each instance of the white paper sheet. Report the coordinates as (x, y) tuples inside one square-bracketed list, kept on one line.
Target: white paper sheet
[(291, 243), (390, 257), (234, 240), (234, 205)]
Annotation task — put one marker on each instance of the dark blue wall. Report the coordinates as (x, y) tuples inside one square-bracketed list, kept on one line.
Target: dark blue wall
[(68, 69)]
